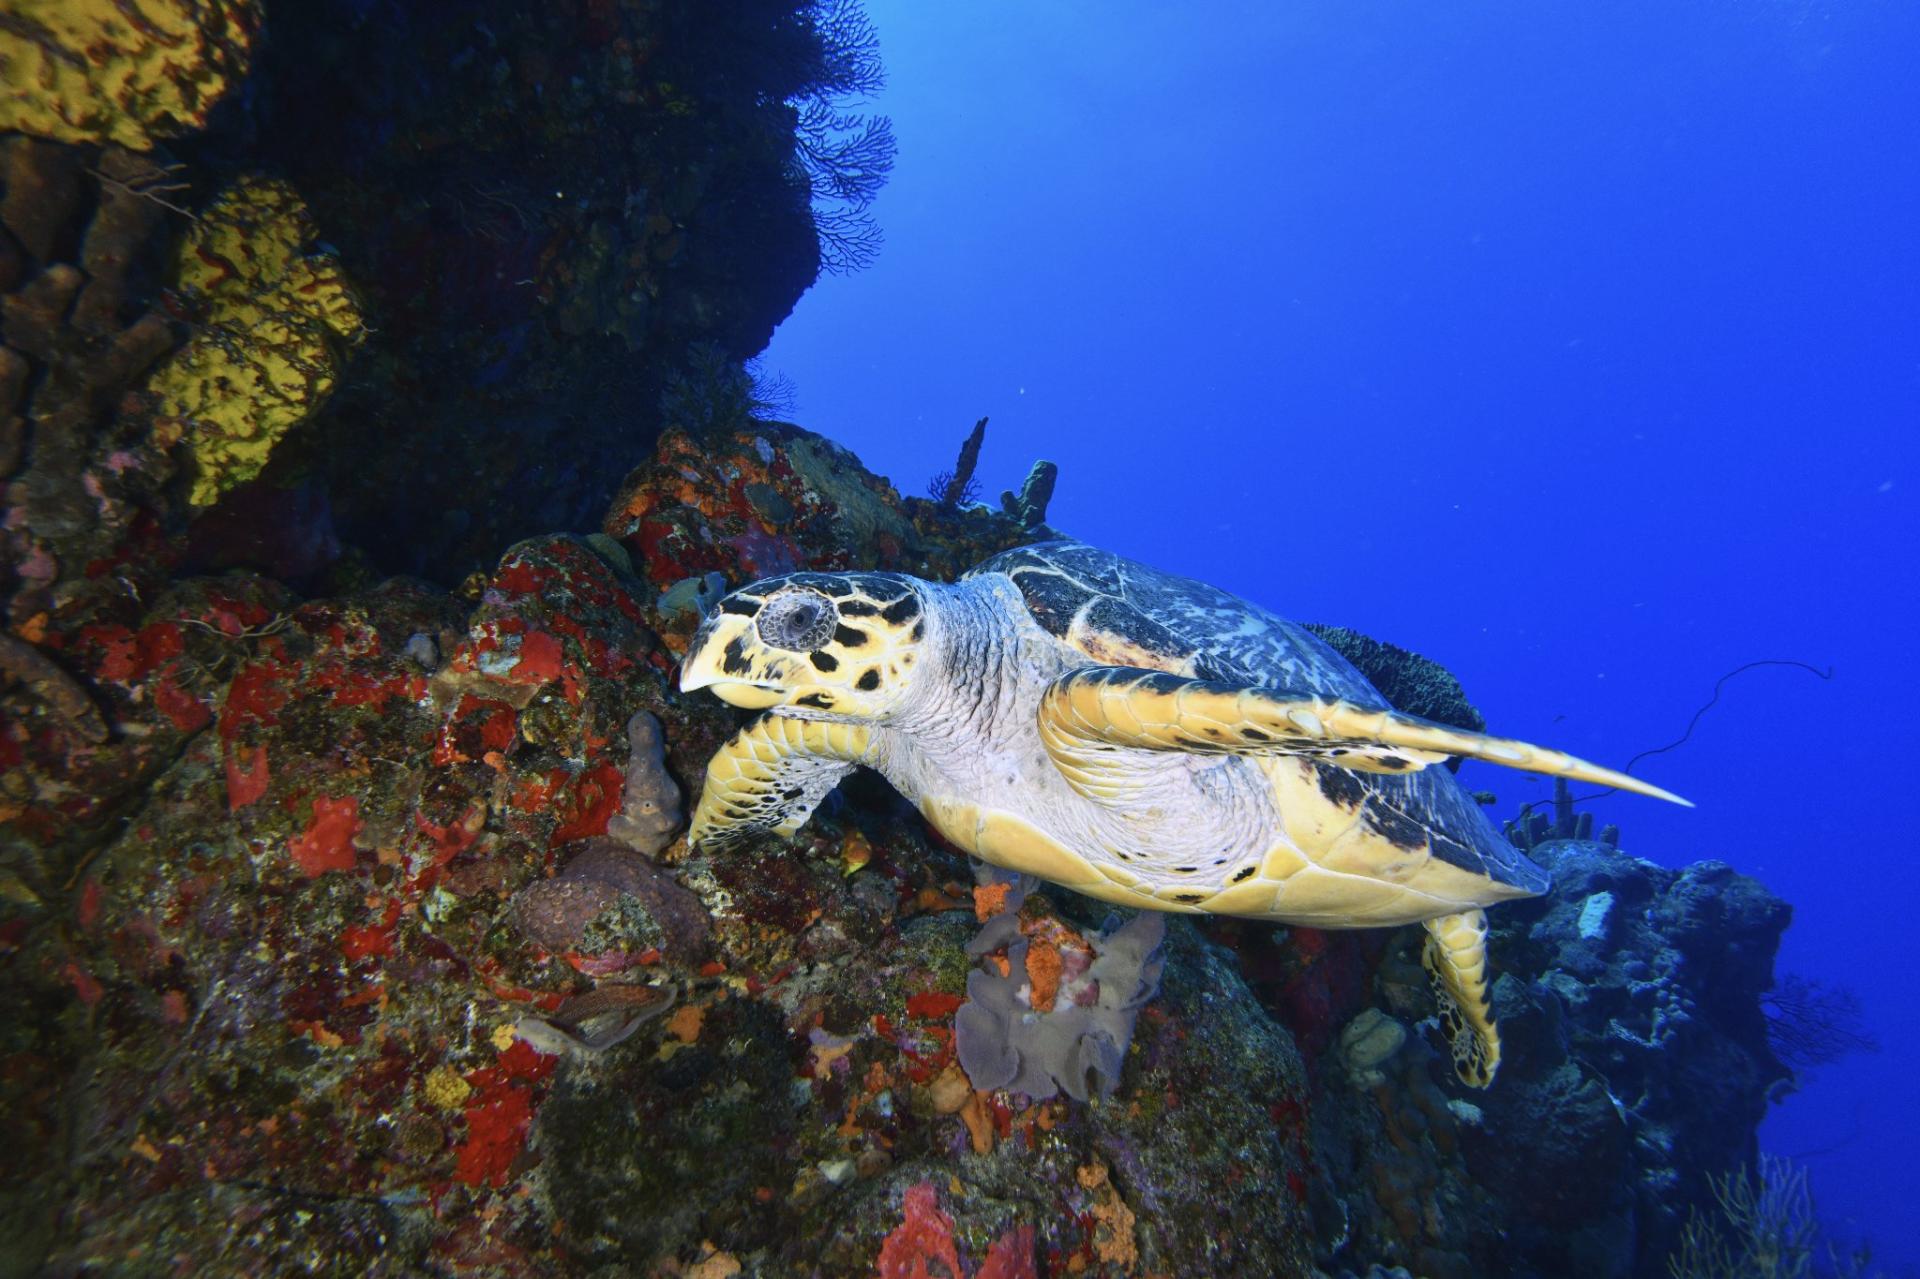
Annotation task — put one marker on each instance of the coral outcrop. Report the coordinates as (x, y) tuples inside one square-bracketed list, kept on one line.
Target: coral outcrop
[(1636, 1065), (360, 941), (550, 210), (523, 288), (769, 498)]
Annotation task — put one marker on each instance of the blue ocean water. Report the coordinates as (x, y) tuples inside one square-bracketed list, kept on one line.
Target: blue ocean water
[(1577, 347)]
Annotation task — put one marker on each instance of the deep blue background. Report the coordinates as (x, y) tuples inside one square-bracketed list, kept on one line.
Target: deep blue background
[(1577, 347)]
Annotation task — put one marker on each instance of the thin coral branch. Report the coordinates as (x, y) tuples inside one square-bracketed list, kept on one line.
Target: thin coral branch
[(1765, 1227), (153, 184)]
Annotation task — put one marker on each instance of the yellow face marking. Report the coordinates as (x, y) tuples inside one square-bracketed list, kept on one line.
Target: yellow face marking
[(825, 644)]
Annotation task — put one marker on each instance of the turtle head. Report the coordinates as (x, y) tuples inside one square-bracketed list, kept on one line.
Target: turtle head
[(817, 645)]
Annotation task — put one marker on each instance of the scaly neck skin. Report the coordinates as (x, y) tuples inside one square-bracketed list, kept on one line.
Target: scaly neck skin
[(979, 678)]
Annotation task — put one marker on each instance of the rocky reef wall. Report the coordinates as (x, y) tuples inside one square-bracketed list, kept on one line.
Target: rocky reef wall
[(390, 962), (328, 289)]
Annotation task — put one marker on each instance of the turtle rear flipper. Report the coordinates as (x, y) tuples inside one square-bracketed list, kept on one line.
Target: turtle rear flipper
[(1087, 710), (772, 775), (1455, 956)]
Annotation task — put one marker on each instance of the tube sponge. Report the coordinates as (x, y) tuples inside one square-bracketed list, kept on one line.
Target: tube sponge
[(125, 71), (275, 319), (650, 805)]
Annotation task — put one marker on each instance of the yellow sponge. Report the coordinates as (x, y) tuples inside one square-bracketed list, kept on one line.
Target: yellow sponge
[(275, 319), (125, 71)]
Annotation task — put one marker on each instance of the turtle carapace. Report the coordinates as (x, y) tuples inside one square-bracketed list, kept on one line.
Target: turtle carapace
[(1137, 737)]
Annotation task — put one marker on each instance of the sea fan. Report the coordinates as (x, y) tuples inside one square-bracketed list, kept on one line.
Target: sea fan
[(952, 491)]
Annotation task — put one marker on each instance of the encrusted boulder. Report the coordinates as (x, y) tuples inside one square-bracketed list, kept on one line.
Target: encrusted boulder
[(1636, 1063), (610, 908), (770, 498)]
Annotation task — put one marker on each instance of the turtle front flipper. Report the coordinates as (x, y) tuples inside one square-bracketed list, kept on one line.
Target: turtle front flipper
[(1455, 956), (1099, 706), (772, 775)]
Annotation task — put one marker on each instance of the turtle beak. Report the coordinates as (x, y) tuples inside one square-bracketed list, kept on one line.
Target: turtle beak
[(719, 656), (753, 697)]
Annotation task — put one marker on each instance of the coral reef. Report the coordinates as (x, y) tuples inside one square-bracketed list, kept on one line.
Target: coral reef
[(93, 71), (1637, 1064), (349, 934), (357, 978), (346, 936), (271, 316)]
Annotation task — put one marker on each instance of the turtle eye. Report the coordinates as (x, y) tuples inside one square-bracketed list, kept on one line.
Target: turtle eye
[(798, 621)]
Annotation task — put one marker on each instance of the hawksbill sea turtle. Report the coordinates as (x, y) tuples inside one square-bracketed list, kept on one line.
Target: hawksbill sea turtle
[(1135, 736)]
